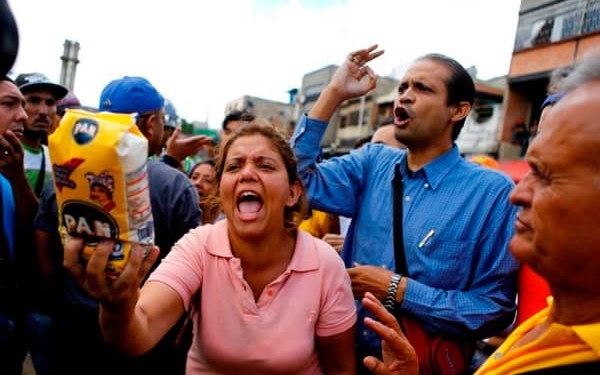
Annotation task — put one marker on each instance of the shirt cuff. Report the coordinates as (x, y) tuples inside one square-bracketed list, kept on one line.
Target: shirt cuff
[(415, 296), (170, 161), (310, 129)]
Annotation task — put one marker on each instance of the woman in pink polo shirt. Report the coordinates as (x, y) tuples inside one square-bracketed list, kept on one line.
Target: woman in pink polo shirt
[(265, 297)]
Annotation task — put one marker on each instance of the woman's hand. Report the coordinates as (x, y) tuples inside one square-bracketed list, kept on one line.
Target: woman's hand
[(113, 292), (399, 357)]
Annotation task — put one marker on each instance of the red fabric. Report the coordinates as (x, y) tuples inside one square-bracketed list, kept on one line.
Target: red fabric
[(533, 293), (516, 169), (437, 355)]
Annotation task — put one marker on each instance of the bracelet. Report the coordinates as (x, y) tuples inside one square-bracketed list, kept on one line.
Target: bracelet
[(390, 299)]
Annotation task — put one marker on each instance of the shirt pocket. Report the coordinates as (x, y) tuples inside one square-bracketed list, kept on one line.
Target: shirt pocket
[(443, 262)]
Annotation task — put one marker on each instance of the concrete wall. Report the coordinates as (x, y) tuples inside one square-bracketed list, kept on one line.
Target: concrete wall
[(539, 61), (543, 58), (528, 4), (517, 108), (587, 45)]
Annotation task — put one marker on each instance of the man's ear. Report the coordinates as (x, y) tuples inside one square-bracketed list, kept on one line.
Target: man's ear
[(460, 111), (146, 127)]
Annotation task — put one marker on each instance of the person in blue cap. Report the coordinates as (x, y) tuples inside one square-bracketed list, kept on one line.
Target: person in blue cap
[(554, 93), (172, 120), (175, 211)]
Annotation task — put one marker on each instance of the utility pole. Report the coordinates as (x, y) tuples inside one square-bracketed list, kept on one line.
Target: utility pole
[(361, 116), (69, 64)]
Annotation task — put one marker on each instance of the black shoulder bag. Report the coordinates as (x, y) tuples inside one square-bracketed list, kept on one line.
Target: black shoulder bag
[(437, 354)]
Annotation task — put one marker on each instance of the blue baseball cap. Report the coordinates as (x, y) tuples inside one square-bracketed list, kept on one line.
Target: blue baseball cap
[(552, 99), (172, 118), (130, 95)]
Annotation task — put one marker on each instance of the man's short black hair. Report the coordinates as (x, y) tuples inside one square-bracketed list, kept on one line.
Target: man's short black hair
[(237, 116), (460, 85)]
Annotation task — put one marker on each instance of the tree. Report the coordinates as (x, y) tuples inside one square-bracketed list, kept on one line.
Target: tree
[(187, 127)]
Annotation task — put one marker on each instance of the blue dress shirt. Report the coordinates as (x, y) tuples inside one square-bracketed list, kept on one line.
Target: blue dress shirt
[(463, 277)]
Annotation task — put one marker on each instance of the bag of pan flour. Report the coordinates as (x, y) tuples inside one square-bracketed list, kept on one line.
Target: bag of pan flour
[(99, 165)]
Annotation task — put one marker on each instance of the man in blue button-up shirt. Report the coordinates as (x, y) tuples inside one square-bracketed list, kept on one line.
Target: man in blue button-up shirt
[(457, 219)]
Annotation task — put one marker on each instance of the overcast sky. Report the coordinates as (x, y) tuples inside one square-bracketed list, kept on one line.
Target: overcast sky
[(202, 54)]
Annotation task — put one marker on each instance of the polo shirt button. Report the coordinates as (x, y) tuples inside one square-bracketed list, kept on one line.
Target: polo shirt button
[(426, 185), (407, 198), (365, 333)]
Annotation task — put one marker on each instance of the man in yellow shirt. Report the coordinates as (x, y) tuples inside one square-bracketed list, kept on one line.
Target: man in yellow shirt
[(320, 223), (556, 234)]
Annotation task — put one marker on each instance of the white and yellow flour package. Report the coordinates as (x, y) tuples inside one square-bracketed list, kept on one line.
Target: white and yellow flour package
[(99, 165)]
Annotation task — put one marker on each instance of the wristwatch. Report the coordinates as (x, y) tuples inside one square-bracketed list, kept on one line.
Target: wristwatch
[(390, 299)]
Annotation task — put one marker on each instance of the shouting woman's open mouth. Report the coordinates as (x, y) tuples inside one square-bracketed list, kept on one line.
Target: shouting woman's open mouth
[(249, 204)]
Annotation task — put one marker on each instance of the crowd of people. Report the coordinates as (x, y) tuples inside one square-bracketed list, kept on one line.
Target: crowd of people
[(399, 257)]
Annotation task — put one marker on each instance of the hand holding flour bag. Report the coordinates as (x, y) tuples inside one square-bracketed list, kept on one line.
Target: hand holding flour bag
[(99, 165)]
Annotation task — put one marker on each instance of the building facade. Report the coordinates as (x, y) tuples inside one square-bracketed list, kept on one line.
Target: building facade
[(550, 35), (481, 132), (279, 114), (354, 119)]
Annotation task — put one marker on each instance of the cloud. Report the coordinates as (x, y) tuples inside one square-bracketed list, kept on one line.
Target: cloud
[(204, 54)]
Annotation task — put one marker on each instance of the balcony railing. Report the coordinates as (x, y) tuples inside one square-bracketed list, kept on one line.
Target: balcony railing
[(557, 21)]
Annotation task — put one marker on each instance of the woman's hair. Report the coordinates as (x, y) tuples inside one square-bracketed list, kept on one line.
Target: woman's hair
[(292, 215), (210, 162), (212, 206)]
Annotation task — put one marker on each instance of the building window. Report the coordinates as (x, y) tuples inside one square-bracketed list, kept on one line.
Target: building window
[(366, 116), (353, 120), (557, 21), (543, 32), (591, 22), (343, 121), (483, 113)]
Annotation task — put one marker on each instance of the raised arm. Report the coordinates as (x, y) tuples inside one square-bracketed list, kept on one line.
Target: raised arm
[(178, 148), (132, 319), (331, 185), (347, 83)]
